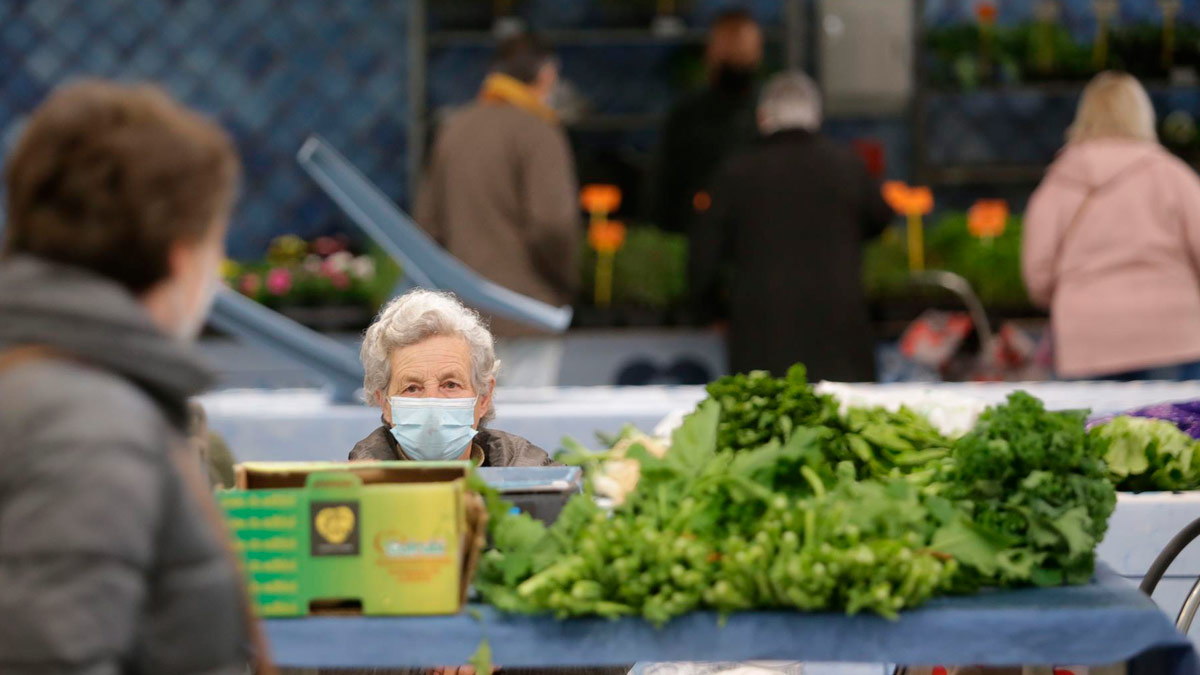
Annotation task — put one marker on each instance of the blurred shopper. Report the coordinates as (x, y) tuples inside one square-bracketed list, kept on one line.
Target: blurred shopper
[(788, 220), (1112, 244), (431, 368), (704, 128), (500, 194), (112, 555)]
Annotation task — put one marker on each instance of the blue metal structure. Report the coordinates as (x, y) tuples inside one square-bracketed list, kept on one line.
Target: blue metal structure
[(244, 318), (407, 243)]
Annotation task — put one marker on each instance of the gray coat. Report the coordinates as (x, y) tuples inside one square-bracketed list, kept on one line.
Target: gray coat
[(108, 561)]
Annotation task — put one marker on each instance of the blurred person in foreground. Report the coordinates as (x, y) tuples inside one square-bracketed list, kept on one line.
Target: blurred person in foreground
[(500, 194), (1112, 244), (788, 221), (431, 368), (706, 127), (113, 558)]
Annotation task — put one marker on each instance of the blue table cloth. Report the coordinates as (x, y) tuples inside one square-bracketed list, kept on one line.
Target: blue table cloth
[(1106, 621)]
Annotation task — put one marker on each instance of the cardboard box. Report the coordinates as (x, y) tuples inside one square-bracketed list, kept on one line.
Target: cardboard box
[(372, 538)]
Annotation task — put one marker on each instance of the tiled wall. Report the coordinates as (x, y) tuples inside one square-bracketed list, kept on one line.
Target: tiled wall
[(272, 71)]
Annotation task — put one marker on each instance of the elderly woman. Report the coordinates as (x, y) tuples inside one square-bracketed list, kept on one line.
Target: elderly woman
[(1112, 244), (431, 368)]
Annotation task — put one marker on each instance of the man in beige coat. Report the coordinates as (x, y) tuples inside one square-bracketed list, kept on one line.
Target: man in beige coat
[(500, 194)]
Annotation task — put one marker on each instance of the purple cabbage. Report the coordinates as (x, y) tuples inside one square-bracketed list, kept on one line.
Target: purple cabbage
[(1184, 414)]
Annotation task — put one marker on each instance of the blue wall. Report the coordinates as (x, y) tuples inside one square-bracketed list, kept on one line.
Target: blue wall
[(272, 71)]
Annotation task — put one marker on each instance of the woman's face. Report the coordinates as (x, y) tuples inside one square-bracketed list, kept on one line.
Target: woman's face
[(437, 367)]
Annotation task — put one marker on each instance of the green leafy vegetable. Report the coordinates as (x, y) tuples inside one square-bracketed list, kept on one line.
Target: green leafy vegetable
[(768, 498), (1148, 454), (1033, 478)]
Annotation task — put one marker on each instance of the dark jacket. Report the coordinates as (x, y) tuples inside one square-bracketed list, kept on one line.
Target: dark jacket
[(108, 562), (789, 218), (701, 131), (499, 449)]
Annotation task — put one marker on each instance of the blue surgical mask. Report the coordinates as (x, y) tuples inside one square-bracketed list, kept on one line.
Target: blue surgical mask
[(433, 429)]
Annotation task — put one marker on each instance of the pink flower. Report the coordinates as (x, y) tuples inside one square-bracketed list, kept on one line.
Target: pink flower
[(279, 281), (340, 261), (327, 246), (340, 280), (251, 284)]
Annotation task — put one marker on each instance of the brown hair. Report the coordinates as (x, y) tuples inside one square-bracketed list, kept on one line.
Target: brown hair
[(108, 176), (521, 57), (734, 37)]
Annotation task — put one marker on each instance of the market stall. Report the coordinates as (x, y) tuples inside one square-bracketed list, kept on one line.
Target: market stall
[(917, 534)]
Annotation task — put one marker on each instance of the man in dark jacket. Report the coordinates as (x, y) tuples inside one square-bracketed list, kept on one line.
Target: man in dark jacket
[(789, 217), (706, 127), (111, 555)]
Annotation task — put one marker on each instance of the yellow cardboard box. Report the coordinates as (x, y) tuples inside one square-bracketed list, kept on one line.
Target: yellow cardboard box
[(373, 538)]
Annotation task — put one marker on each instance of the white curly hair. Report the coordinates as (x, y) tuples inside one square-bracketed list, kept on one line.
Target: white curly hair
[(419, 315)]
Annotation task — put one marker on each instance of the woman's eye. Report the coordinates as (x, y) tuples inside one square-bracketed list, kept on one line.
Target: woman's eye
[(451, 385), (412, 389)]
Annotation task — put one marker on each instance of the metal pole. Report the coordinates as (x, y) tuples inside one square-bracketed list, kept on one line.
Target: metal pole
[(1187, 613), (917, 114), (418, 63), (247, 320), (793, 34)]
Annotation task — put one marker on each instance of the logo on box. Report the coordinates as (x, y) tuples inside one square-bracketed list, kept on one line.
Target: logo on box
[(334, 528)]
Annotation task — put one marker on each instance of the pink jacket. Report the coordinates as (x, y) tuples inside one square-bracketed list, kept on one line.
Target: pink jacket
[(1122, 285)]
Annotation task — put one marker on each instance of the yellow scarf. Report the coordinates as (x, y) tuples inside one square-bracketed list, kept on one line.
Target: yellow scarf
[(500, 88)]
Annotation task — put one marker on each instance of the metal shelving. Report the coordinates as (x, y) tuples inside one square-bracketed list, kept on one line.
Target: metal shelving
[(930, 172), (599, 36)]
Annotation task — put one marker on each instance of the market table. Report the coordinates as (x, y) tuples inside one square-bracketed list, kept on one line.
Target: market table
[(1104, 622)]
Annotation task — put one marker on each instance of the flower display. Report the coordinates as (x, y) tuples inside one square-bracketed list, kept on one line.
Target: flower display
[(279, 281), (325, 273), (600, 200), (987, 218)]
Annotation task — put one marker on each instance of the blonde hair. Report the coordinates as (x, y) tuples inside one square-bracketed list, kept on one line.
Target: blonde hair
[(1113, 105)]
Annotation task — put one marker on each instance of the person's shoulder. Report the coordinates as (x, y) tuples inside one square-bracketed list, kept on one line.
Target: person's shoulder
[(1173, 165), (378, 445), (60, 402), (504, 449)]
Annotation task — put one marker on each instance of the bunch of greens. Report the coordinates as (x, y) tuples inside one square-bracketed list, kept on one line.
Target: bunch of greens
[(894, 444), (865, 511), (725, 530), (756, 409), (1035, 495), (1148, 454)]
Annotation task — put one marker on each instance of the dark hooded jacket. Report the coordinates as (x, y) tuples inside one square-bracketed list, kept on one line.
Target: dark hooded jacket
[(109, 563)]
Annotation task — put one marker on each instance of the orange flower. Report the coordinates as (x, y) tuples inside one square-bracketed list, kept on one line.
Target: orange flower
[(600, 198), (907, 200), (987, 218), (606, 236), (986, 12), (920, 201)]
